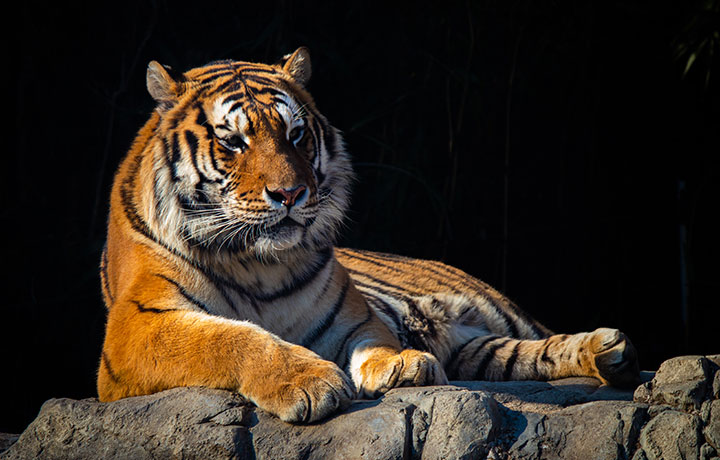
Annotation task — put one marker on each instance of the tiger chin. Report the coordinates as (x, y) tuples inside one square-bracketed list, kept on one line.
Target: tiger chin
[(220, 269)]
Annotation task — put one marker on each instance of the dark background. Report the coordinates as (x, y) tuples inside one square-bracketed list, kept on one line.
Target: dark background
[(553, 149)]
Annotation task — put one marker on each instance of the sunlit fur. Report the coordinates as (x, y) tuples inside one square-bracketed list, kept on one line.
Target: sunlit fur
[(220, 268)]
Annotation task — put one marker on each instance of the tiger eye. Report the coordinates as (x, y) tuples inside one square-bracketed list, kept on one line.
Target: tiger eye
[(296, 134), (235, 141)]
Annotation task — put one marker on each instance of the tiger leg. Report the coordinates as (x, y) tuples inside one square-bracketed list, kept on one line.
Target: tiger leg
[(152, 347), (606, 354)]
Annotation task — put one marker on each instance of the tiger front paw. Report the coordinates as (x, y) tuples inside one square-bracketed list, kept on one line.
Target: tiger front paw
[(307, 390), (614, 358), (408, 368)]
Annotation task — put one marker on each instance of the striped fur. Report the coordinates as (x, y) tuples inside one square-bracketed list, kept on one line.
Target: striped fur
[(220, 268)]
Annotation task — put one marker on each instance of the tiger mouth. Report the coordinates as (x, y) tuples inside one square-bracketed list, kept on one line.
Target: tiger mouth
[(285, 234), (286, 226)]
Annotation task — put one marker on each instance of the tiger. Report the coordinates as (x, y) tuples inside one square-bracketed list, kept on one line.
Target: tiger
[(220, 268)]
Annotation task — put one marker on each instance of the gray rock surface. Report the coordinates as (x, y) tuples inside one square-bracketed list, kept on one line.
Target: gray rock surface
[(675, 414), (683, 383)]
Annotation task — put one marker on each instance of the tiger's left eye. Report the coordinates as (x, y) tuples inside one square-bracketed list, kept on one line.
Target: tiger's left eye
[(296, 134), (233, 142)]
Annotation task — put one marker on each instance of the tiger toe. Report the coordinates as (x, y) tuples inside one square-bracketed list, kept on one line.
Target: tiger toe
[(312, 399)]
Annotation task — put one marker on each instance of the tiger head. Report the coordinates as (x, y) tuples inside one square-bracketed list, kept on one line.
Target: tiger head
[(243, 161)]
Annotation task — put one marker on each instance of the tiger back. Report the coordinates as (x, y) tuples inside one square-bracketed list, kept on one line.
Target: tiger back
[(220, 269)]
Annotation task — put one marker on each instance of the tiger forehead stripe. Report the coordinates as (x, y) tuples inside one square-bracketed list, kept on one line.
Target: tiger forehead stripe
[(222, 68), (249, 93), (230, 116)]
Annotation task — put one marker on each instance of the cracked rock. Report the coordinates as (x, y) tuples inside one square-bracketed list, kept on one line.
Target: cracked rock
[(671, 435)]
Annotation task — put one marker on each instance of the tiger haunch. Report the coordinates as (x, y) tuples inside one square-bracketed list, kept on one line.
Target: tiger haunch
[(220, 268)]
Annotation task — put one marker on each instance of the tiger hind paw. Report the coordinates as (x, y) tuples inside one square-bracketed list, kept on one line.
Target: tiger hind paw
[(614, 358)]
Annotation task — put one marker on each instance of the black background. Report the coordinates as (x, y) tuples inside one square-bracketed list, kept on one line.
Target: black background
[(552, 149)]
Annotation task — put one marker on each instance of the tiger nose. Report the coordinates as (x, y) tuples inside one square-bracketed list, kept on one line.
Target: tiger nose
[(286, 196)]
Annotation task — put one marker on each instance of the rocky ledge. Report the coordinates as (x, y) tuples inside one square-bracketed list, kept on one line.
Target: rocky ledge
[(674, 415)]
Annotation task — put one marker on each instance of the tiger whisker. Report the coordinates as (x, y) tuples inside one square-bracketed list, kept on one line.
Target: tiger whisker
[(299, 112)]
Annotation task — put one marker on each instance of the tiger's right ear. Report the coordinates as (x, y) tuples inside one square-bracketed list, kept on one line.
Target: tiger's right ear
[(162, 86), (297, 64)]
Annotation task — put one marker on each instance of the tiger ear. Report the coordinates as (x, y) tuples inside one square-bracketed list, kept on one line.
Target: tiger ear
[(161, 85), (298, 65)]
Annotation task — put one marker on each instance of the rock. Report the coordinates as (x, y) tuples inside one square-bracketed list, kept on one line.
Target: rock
[(707, 452), (676, 414), (715, 359), (449, 422), (596, 430), (170, 424), (368, 430), (683, 383), (711, 417), (672, 435)]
